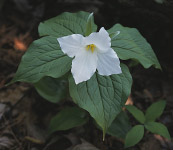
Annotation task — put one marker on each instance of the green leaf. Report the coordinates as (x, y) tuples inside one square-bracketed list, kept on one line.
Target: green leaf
[(120, 126), (130, 44), (155, 110), (43, 58), (68, 118), (52, 89), (89, 25), (114, 35), (102, 96), (66, 24), (158, 128), (138, 114), (134, 136)]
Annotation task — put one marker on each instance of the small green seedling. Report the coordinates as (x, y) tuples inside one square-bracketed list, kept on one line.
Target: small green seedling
[(147, 121)]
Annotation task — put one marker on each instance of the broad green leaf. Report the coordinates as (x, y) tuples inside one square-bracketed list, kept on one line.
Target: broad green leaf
[(43, 58), (158, 128), (155, 110), (130, 44), (120, 126), (66, 24), (138, 114), (68, 118), (102, 96), (52, 89), (134, 136)]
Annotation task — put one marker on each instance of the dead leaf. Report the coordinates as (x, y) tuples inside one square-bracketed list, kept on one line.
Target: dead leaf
[(85, 146), (19, 45), (164, 142), (2, 110), (34, 140), (129, 101), (151, 144), (6, 143), (148, 94), (12, 94)]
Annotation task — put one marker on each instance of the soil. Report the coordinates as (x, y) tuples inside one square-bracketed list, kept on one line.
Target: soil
[(24, 115)]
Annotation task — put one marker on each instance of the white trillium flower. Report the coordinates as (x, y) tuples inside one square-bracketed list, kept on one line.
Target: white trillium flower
[(90, 53)]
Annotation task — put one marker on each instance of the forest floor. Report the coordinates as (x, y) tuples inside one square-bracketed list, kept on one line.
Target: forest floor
[(24, 115)]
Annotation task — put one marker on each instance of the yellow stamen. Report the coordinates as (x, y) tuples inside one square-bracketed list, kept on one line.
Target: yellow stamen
[(88, 47), (91, 47)]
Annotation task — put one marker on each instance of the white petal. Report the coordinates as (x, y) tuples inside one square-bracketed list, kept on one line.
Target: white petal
[(71, 44), (101, 39), (84, 66), (108, 63)]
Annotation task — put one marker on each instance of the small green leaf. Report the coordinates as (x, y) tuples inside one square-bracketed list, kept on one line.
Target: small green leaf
[(102, 96), (43, 58), (52, 89), (130, 44), (89, 25), (120, 126), (158, 128), (134, 136), (68, 118), (114, 35), (155, 110), (138, 114), (66, 24)]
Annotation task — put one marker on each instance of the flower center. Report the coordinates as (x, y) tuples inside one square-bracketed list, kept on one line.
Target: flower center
[(91, 47)]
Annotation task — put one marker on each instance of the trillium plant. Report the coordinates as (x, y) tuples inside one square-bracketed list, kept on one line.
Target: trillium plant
[(74, 56)]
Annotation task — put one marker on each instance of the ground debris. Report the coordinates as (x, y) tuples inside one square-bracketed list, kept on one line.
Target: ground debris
[(6, 143), (85, 146)]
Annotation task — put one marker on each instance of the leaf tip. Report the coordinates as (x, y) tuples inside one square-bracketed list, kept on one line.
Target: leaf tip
[(114, 35), (90, 15), (89, 24)]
